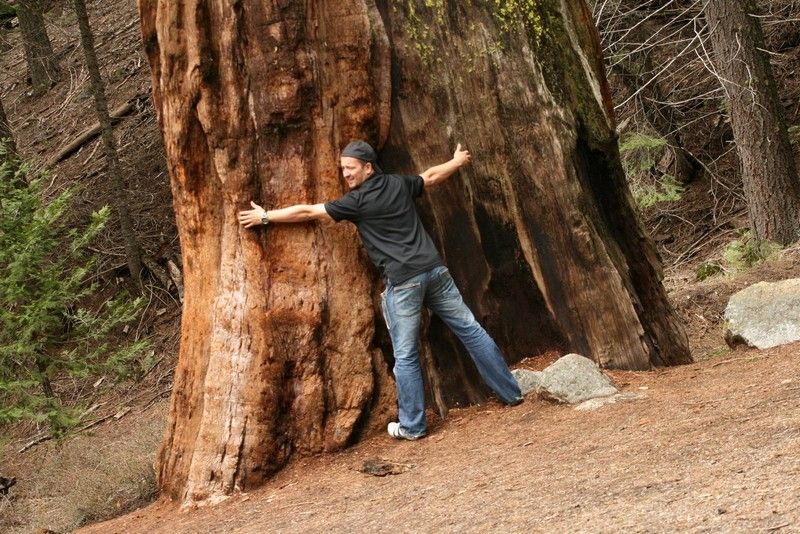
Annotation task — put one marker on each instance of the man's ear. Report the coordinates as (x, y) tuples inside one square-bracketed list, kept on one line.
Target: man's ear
[(370, 169)]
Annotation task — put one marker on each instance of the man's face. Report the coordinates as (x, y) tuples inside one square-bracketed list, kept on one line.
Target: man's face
[(355, 171)]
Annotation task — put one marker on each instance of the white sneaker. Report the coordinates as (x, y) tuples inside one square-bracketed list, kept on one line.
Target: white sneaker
[(396, 432)]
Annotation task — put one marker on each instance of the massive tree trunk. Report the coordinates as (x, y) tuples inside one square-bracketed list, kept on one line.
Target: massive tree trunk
[(42, 63), (769, 174), (281, 348), (113, 170)]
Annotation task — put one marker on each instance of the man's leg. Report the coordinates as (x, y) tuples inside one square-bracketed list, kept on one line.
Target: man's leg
[(444, 299), (402, 310)]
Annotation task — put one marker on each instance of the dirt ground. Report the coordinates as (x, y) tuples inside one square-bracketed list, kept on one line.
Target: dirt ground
[(713, 447)]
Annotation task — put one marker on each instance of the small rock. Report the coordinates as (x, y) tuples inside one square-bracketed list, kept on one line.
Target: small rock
[(528, 380), (380, 467), (594, 404), (574, 378)]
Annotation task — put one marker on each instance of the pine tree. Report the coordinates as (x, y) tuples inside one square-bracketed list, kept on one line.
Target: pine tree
[(120, 197), (769, 173), (49, 326)]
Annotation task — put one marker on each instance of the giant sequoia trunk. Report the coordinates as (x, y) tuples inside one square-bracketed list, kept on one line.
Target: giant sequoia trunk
[(281, 351), (769, 175)]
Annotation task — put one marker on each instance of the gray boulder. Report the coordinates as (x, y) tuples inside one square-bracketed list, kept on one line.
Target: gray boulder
[(528, 380), (764, 315), (574, 378)]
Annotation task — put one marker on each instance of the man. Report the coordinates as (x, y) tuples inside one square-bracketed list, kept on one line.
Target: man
[(382, 208)]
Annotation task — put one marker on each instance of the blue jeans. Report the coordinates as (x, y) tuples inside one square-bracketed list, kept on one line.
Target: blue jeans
[(402, 310)]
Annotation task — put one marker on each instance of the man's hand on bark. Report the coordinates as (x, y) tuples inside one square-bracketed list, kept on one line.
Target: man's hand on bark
[(253, 217), (461, 156)]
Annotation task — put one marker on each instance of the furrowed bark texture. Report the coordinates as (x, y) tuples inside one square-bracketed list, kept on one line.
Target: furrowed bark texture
[(769, 174), (42, 62), (282, 350), (276, 348)]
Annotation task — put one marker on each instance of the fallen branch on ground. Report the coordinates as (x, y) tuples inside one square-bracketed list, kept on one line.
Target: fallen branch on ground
[(47, 437), (92, 132)]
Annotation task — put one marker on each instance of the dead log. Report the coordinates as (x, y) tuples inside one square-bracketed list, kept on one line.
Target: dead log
[(90, 133)]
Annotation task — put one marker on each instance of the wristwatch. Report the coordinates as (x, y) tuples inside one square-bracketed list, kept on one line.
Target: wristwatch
[(264, 218)]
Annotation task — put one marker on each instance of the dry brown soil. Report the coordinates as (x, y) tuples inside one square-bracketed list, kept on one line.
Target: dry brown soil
[(713, 447)]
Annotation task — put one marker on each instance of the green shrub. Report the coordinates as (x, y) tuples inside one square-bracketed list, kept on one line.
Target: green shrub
[(667, 189), (51, 323), (7, 10), (707, 269), (640, 153), (746, 251), (794, 134)]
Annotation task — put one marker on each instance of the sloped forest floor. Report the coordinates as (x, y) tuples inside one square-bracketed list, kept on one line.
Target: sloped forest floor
[(712, 447)]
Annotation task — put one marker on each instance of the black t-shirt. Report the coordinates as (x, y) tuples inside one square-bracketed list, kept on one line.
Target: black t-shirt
[(382, 208)]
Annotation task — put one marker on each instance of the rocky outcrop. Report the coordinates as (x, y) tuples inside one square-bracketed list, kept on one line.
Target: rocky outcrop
[(597, 403), (529, 381)]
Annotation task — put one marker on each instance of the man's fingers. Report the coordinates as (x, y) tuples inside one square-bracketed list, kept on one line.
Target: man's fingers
[(247, 219), (458, 147)]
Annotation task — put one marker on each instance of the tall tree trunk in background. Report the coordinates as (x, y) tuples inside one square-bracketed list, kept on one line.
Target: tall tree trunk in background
[(6, 135), (42, 63), (771, 183), (281, 348), (114, 173)]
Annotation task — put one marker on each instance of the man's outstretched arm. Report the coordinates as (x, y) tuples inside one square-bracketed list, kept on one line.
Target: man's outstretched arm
[(440, 173), (292, 214)]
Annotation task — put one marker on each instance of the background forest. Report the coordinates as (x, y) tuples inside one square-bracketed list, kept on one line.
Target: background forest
[(90, 278)]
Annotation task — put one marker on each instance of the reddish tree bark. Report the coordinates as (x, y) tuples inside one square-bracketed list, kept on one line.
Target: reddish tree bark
[(281, 348)]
